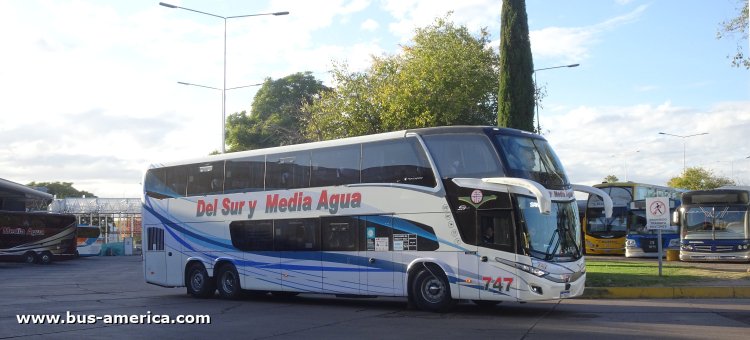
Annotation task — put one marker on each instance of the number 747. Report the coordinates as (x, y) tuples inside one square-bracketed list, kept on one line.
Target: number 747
[(497, 283)]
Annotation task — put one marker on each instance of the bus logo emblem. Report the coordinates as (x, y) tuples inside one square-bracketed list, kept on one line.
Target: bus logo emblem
[(476, 196)]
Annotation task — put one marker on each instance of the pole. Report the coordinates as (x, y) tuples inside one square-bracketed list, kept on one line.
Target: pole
[(536, 93), (224, 94), (660, 251), (536, 105)]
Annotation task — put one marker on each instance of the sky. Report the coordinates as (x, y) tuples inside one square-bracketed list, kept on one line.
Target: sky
[(89, 92)]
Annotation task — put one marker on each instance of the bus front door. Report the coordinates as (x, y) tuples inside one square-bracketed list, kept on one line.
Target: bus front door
[(496, 253)]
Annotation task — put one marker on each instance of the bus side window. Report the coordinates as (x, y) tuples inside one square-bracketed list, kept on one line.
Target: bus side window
[(339, 233), (396, 161), (288, 171), (245, 174), (496, 229), (177, 180), (205, 179), (296, 235), (252, 235), (335, 166)]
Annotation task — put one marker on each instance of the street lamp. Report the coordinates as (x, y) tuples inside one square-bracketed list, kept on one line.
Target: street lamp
[(536, 99), (683, 144), (224, 88)]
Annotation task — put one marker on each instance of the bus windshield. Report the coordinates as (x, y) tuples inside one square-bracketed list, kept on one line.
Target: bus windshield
[(555, 237), (598, 224), (720, 221), (533, 159)]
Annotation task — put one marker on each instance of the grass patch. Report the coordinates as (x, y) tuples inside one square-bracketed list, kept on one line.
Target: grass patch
[(646, 274)]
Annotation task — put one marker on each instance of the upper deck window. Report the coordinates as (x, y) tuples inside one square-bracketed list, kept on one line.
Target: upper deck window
[(532, 159), (464, 155)]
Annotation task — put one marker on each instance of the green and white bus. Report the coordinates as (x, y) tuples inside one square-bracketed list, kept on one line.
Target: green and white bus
[(434, 214)]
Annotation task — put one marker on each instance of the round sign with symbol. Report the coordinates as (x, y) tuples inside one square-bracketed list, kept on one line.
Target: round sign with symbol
[(657, 208), (476, 196)]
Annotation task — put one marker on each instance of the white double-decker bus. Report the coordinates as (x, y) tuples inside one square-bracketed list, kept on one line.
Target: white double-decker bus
[(434, 214)]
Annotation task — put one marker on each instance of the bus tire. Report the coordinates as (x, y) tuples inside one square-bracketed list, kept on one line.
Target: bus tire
[(45, 257), (29, 257), (228, 282), (198, 283), (431, 290)]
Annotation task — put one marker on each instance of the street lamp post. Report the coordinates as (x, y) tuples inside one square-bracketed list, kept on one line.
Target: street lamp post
[(684, 140), (224, 87), (536, 95)]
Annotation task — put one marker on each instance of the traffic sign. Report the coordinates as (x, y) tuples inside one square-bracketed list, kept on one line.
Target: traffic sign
[(657, 213)]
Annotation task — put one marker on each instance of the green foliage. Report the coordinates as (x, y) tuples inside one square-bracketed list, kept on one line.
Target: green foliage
[(278, 115), (61, 189), (697, 178), (737, 25), (611, 179), (517, 90), (447, 77)]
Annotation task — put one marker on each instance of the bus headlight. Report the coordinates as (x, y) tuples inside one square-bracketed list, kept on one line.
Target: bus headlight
[(630, 243), (559, 278), (674, 243)]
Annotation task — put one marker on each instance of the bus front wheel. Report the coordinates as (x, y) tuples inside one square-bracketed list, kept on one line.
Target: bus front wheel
[(431, 291), (228, 282), (45, 258), (199, 284)]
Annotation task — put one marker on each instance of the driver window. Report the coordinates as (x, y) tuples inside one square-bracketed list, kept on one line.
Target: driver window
[(495, 230)]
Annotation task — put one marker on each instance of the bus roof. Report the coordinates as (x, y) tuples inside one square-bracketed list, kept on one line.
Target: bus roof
[(353, 140), (631, 184)]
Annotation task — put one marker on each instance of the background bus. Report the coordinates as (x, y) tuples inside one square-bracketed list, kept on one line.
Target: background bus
[(89, 242), (609, 235), (642, 242), (37, 236), (715, 225), (436, 214)]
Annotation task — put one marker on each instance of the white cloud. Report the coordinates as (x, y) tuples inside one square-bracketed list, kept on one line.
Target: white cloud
[(594, 142), (572, 44), (370, 25)]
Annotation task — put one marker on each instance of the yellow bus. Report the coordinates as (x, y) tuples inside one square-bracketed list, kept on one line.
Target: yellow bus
[(607, 236)]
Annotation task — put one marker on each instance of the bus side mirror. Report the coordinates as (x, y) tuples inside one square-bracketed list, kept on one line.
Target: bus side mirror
[(676, 218)]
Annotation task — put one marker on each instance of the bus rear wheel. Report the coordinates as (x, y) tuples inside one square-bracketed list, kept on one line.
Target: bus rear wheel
[(198, 283), (29, 257), (431, 291), (228, 282)]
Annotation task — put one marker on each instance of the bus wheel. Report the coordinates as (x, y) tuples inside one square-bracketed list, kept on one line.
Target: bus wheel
[(485, 303), (228, 282), (431, 291), (198, 283), (29, 257), (45, 258)]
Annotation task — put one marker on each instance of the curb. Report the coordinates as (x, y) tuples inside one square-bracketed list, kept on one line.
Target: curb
[(709, 292)]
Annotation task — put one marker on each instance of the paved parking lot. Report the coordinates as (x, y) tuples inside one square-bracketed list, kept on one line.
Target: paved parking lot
[(111, 286)]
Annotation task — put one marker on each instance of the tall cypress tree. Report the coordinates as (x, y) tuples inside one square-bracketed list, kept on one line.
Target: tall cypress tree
[(516, 95)]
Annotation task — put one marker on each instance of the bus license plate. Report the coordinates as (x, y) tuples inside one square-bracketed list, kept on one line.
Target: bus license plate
[(565, 294)]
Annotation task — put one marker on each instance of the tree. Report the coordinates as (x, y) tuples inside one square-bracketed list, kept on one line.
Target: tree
[(277, 114), (516, 95), (446, 77), (61, 189), (697, 178), (611, 179), (737, 25)]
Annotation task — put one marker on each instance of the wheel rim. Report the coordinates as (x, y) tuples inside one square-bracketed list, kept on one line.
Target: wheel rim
[(228, 282), (29, 258), (197, 281), (433, 290)]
